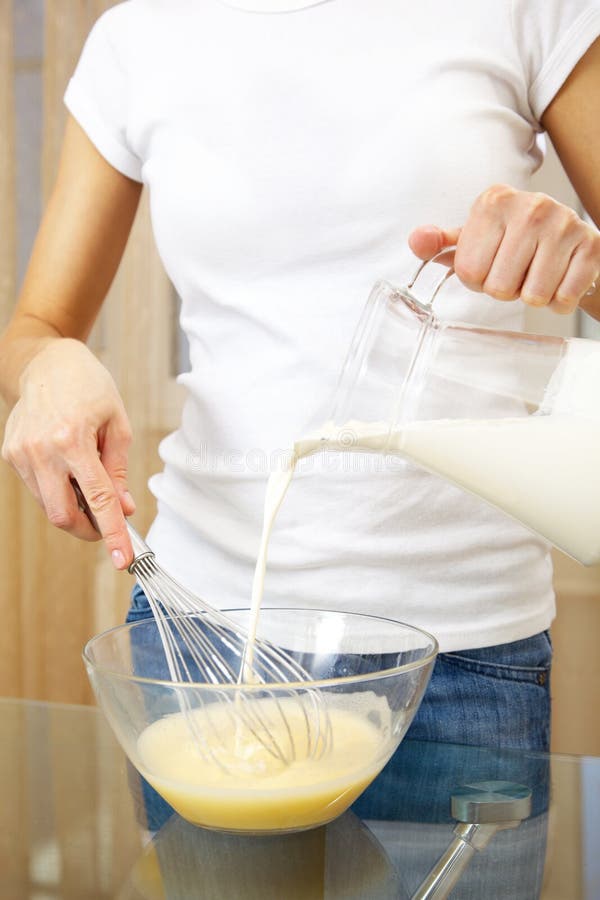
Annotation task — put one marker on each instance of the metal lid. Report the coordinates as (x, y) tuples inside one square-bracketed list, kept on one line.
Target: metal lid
[(484, 802)]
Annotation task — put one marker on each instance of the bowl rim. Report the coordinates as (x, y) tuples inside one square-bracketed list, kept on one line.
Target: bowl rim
[(271, 685)]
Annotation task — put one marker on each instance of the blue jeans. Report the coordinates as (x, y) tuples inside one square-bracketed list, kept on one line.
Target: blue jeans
[(495, 700)]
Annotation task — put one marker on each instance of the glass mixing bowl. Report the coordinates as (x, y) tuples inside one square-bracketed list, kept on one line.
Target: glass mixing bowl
[(368, 675)]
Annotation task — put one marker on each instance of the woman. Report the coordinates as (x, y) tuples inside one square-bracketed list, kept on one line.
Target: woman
[(290, 149)]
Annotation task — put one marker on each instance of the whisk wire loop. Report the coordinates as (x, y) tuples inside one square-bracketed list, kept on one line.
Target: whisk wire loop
[(201, 645)]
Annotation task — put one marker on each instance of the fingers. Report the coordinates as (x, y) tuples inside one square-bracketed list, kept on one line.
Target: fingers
[(15, 457), (520, 244), (60, 504), (45, 462), (429, 240), (46, 478), (485, 255), (114, 445), (583, 271), (24, 471), (104, 502), (509, 265), (546, 272)]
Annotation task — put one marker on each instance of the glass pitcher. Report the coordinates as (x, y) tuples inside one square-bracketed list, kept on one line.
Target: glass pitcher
[(511, 417)]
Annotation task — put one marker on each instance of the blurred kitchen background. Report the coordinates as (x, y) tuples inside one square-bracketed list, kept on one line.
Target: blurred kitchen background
[(57, 592)]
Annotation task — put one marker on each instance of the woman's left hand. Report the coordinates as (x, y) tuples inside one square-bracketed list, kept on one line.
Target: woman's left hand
[(517, 244)]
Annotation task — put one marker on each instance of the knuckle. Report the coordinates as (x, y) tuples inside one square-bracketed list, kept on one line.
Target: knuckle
[(537, 207), (125, 438), (497, 195), (16, 459), (8, 452), (535, 298), (499, 291), (119, 473), (565, 298), (469, 273), (121, 437), (61, 518), (570, 222), (563, 304), (500, 288), (125, 433), (120, 430), (65, 436), (100, 498), (589, 247), (36, 448), (113, 538)]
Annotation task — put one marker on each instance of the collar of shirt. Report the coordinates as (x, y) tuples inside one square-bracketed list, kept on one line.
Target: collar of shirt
[(272, 6)]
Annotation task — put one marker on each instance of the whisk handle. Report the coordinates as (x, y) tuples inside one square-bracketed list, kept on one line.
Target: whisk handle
[(140, 547)]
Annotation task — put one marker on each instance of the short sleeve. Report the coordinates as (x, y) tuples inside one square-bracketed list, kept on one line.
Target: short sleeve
[(552, 36), (97, 95)]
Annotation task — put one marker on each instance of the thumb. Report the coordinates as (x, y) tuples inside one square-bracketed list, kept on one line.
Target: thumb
[(427, 240), (114, 459)]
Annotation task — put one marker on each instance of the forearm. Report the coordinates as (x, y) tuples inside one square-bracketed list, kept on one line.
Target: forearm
[(78, 248), (573, 123)]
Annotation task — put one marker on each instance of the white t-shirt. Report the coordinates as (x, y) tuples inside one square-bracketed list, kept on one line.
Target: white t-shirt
[(287, 159)]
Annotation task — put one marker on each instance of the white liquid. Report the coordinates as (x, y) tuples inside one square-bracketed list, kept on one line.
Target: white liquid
[(542, 470), (277, 485)]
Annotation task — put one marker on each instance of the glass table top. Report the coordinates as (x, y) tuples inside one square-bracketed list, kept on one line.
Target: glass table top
[(77, 822)]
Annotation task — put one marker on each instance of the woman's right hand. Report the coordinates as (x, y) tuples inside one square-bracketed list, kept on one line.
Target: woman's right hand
[(67, 419), (70, 422)]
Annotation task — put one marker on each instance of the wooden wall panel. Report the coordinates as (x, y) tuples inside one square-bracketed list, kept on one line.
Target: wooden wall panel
[(57, 592), (10, 544), (576, 673), (67, 23)]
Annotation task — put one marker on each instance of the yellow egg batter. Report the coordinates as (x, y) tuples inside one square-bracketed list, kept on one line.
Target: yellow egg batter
[(252, 790)]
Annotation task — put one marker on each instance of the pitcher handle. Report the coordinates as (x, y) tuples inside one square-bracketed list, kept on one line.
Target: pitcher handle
[(447, 274)]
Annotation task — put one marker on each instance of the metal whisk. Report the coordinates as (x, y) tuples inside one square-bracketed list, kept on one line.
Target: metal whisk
[(204, 646)]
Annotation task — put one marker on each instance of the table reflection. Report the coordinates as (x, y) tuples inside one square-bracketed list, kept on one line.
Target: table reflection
[(384, 848), (342, 861), (78, 823)]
